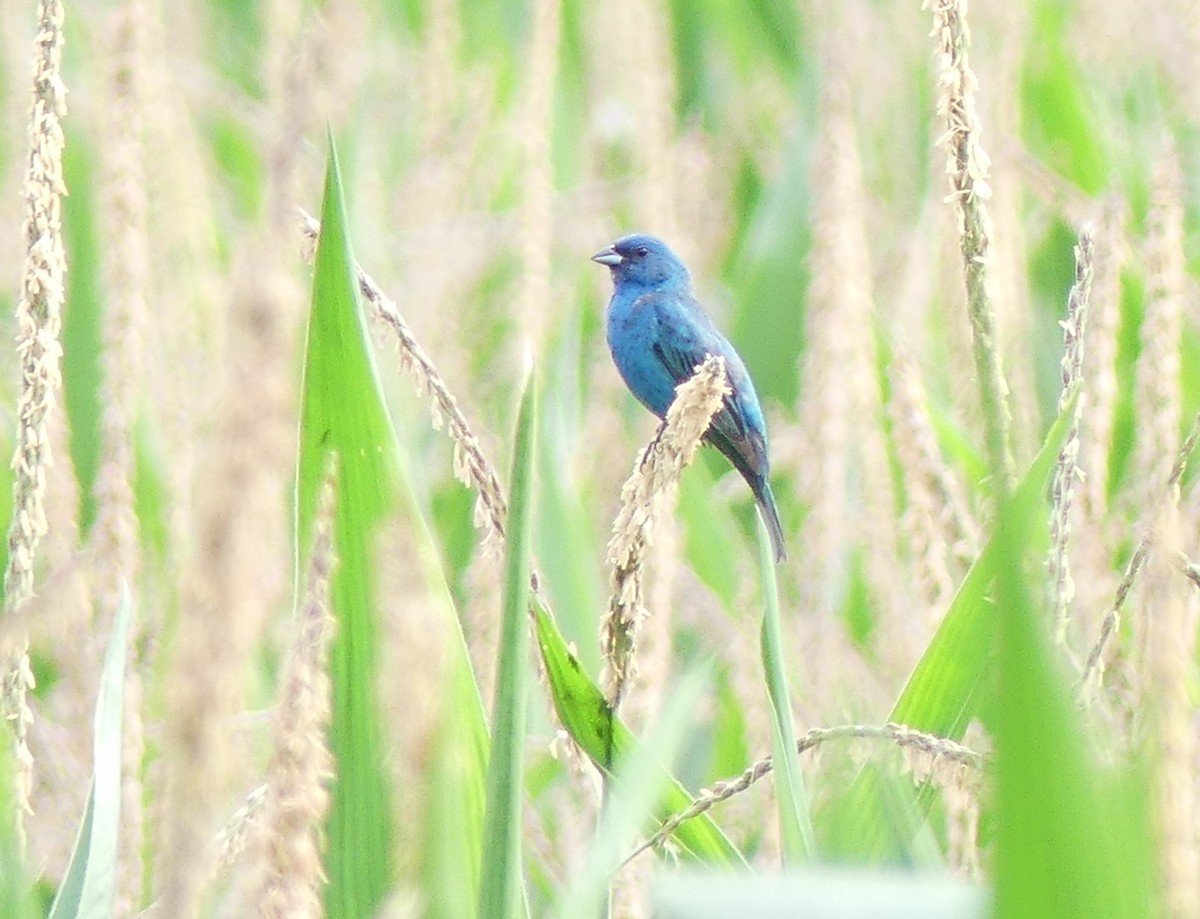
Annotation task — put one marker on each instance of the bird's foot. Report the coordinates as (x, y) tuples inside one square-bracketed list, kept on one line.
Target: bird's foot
[(652, 446)]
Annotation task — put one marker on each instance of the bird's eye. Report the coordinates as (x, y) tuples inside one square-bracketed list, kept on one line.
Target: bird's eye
[(642, 251)]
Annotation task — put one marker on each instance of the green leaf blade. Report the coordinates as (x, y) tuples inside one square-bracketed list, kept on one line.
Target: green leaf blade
[(1062, 847), (795, 822), (942, 693), (500, 882), (343, 413)]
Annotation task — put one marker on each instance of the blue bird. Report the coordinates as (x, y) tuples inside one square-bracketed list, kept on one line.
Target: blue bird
[(658, 334)]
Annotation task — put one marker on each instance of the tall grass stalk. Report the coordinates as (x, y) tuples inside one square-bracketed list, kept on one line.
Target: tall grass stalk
[(39, 320), (967, 168), (1066, 473), (795, 821), (500, 885)]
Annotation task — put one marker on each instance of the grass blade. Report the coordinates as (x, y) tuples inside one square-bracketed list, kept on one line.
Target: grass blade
[(88, 889), (500, 882), (942, 693), (343, 412), (795, 822), (1062, 848)]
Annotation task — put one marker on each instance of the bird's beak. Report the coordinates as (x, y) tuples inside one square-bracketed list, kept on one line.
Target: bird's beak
[(610, 257)]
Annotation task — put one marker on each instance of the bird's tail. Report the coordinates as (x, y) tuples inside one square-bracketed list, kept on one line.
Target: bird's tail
[(770, 516)]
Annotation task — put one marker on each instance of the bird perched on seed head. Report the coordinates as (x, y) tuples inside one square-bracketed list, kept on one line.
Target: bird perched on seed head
[(658, 334)]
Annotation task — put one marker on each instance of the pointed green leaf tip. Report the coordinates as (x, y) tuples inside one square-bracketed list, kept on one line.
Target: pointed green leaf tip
[(343, 412)]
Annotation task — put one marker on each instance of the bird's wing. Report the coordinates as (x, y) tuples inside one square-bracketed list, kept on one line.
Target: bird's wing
[(681, 353)]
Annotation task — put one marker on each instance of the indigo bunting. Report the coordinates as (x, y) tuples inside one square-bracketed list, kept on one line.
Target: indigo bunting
[(658, 334)]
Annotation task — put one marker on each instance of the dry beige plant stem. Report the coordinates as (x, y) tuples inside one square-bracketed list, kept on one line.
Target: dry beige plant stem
[(126, 269), (127, 275), (232, 839), (39, 354), (187, 292), (647, 37), (1093, 670), (414, 669), (235, 577), (835, 323), (1168, 713), (1094, 529), (967, 166), (1157, 395), (910, 740), (644, 498), (941, 532), (1100, 357), (537, 187), (855, 491), (1066, 472), (635, 115), (297, 796), (1008, 26)]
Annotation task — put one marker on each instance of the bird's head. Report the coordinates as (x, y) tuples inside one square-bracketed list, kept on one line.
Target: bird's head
[(643, 260)]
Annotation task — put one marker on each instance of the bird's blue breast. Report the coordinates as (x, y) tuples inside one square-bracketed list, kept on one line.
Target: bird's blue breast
[(633, 331)]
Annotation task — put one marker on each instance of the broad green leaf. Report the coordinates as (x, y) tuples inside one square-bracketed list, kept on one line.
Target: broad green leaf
[(89, 887), (343, 413), (942, 693), (747, 36), (1063, 848), (501, 879), (795, 823), (583, 711), (877, 795), (731, 750), (769, 274)]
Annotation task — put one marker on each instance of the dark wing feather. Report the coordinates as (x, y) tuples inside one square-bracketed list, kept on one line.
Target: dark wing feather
[(743, 444), (728, 432)]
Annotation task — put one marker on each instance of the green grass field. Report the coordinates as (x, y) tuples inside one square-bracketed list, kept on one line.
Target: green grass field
[(335, 534)]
